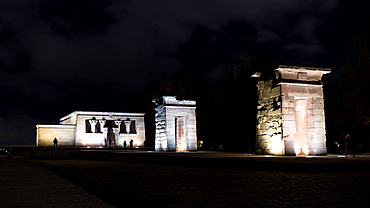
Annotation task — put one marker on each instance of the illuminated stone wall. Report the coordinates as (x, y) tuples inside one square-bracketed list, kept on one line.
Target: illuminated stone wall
[(175, 122), (65, 135), (82, 138), (291, 117)]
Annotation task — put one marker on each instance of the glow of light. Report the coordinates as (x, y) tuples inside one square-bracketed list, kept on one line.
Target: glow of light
[(276, 144), (88, 147), (341, 156), (305, 149), (181, 147)]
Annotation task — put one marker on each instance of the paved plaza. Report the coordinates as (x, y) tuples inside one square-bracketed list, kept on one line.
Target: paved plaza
[(25, 184)]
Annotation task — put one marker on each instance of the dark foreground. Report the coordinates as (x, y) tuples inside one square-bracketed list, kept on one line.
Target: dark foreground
[(144, 185)]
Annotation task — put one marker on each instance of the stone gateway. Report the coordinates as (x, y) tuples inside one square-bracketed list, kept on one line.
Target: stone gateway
[(175, 121), (291, 117)]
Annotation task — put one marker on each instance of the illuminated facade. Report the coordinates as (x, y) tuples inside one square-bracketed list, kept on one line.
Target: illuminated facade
[(94, 129), (291, 117), (175, 122)]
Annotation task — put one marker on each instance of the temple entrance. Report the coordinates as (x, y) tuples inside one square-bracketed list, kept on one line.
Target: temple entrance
[(111, 138), (300, 136), (180, 134)]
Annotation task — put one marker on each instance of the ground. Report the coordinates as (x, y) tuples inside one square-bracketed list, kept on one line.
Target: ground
[(148, 185)]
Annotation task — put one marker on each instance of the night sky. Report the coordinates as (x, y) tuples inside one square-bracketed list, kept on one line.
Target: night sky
[(58, 56)]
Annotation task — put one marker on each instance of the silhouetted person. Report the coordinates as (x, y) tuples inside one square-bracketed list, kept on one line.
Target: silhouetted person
[(347, 144), (105, 143), (124, 145), (131, 144), (110, 142), (55, 141)]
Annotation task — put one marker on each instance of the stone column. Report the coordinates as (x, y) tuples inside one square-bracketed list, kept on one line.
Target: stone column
[(128, 124), (92, 123), (118, 123), (102, 123)]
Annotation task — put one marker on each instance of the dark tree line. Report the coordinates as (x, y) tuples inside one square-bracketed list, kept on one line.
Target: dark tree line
[(347, 99)]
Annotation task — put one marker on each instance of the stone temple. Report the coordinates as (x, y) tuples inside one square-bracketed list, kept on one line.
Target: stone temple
[(291, 117), (175, 121), (94, 129)]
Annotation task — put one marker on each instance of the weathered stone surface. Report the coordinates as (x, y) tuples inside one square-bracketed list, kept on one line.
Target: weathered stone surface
[(178, 131), (288, 111), (288, 117), (275, 91), (288, 103), (297, 83)]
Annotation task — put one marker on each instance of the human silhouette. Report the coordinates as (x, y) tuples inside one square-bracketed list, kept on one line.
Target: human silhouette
[(124, 145), (347, 144), (55, 141), (131, 144)]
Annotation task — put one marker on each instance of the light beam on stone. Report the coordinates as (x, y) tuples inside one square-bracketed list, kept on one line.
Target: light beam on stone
[(291, 118)]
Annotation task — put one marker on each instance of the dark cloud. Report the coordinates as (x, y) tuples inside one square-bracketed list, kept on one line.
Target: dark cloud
[(76, 18), (60, 56)]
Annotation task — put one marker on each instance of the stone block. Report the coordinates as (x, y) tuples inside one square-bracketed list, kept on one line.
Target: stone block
[(314, 76), (266, 92), (309, 105), (289, 143), (261, 112), (288, 137), (321, 151), (318, 105), (288, 117), (290, 111), (318, 100), (259, 132), (315, 91), (275, 91), (310, 124), (263, 138), (261, 84), (311, 151), (289, 75), (316, 131), (287, 98), (310, 144), (289, 151), (288, 124), (288, 103), (274, 112), (263, 145), (319, 124), (320, 144)]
